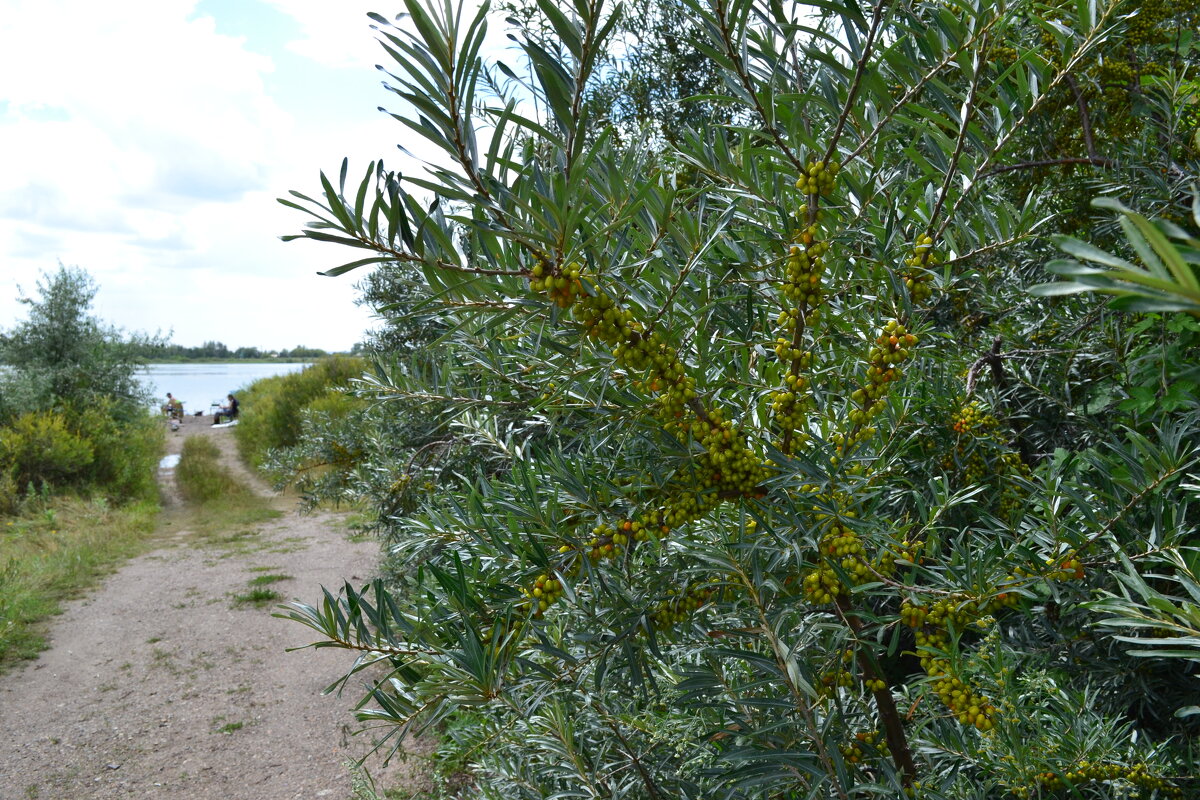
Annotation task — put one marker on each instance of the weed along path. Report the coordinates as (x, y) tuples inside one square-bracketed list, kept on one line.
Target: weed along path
[(171, 680)]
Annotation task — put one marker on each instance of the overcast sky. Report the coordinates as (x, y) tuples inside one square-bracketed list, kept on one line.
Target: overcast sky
[(147, 141)]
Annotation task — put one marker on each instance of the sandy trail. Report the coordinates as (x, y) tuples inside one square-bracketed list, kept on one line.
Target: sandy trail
[(160, 684)]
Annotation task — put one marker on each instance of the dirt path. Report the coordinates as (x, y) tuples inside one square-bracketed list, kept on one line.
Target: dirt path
[(162, 684)]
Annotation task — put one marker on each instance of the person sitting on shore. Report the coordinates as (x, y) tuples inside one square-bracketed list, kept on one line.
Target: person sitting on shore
[(229, 411), (173, 408)]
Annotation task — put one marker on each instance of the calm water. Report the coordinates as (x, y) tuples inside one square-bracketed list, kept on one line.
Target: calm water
[(201, 385)]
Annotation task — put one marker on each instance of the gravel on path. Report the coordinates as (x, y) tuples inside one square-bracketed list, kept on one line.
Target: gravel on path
[(162, 684)]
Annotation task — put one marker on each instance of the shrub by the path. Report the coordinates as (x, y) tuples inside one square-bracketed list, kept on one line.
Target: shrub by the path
[(272, 408)]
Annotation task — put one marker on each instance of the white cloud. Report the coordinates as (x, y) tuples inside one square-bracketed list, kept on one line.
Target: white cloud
[(334, 34), (148, 148), (144, 146)]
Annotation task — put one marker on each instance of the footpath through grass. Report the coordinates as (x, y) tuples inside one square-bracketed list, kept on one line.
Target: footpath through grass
[(216, 502), (54, 552), (58, 548)]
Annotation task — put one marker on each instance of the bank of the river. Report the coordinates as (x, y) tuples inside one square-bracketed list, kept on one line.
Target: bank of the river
[(231, 360), (200, 384)]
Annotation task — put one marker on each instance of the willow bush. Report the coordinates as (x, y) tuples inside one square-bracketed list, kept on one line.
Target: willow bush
[(792, 489)]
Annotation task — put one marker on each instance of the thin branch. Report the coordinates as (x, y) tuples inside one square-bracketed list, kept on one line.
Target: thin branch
[(1107, 163), (893, 725), (917, 87), (1085, 119), (859, 70), (988, 248), (964, 125), (994, 359), (798, 699), (1019, 124), (647, 780), (1133, 503), (748, 86)]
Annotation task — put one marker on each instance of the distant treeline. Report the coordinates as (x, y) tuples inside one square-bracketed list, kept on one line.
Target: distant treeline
[(155, 351)]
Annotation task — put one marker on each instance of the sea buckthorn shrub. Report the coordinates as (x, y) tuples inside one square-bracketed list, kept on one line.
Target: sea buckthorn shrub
[(270, 409), (40, 448), (762, 508), (126, 444)]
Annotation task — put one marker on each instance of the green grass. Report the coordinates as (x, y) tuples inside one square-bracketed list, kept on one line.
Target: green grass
[(263, 580), (217, 502), (53, 555), (230, 727), (201, 478), (257, 597)]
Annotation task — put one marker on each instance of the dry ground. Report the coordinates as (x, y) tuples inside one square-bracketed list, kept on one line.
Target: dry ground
[(161, 684)]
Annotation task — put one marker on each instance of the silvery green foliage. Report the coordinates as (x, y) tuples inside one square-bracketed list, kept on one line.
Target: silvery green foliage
[(699, 663)]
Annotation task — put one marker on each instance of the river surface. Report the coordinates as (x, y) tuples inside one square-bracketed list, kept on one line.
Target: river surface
[(199, 386)]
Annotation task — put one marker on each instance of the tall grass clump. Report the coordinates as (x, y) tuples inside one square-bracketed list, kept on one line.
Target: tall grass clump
[(200, 476), (216, 499), (272, 408)]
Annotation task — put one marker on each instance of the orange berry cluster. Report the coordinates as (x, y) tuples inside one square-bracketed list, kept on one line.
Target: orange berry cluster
[(726, 453), (842, 547), (866, 744), (959, 610), (790, 407), (802, 295), (968, 706), (633, 347), (1137, 776), (973, 419), (803, 268), (727, 464), (971, 463), (1152, 25), (563, 285), (546, 592), (1069, 568), (916, 274), (1062, 568), (818, 177), (979, 432), (607, 542), (1012, 496), (885, 564), (681, 508), (932, 630), (603, 320), (892, 348), (840, 674), (665, 374), (680, 605)]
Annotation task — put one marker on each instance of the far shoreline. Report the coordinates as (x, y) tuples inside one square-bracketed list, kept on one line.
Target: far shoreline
[(215, 360)]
